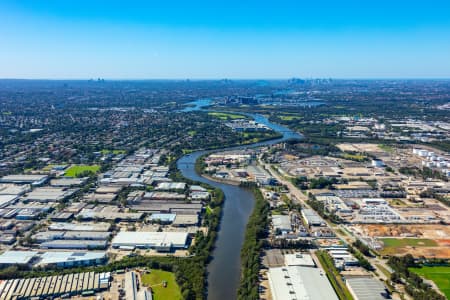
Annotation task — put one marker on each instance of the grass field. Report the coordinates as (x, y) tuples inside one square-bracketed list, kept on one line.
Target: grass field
[(386, 148), (393, 246), (226, 116), (117, 151), (397, 202), (290, 118), (404, 242), (440, 275), (357, 157), (155, 279), (75, 170)]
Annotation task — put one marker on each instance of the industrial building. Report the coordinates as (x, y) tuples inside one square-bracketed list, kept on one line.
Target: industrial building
[(49, 194), (21, 258), (52, 258), (295, 282), (299, 259), (366, 288), (184, 220), (34, 180), (45, 236), (85, 226), (163, 206), (160, 241), (281, 223), (312, 218), (132, 292), (68, 182), (71, 259), (167, 186), (108, 213), (74, 244), (63, 286), (162, 218), (342, 258), (164, 196), (6, 200)]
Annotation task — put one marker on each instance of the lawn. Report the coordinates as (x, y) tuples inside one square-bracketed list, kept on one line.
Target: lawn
[(116, 151), (155, 279), (440, 275), (76, 170), (357, 157), (397, 202), (404, 242), (226, 116), (290, 118), (394, 246), (386, 148)]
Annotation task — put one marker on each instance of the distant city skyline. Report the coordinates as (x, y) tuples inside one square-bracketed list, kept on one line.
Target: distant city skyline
[(231, 39)]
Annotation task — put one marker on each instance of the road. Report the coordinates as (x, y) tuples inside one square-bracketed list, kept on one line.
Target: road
[(341, 234)]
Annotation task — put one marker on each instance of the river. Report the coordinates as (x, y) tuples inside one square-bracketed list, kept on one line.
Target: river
[(224, 269)]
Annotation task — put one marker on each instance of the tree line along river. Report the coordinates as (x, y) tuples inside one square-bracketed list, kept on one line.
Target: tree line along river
[(224, 269)]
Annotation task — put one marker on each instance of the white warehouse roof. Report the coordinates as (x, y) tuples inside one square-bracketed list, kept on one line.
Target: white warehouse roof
[(294, 283), (17, 257), (366, 288), (70, 257), (150, 239), (299, 259)]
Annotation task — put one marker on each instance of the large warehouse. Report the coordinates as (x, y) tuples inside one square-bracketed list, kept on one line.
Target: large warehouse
[(160, 241), (295, 282)]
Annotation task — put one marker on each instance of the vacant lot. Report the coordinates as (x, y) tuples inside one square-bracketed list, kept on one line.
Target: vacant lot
[(414, 246), (403, 242), (440, 275), (419, 240), (155, 280), (78, 170)]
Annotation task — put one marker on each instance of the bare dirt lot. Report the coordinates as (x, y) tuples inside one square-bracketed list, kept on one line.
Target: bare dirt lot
[(436, 239)]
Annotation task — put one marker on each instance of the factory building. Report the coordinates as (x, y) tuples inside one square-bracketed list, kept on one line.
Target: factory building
[(34, 180), (21, 258), (299, 259), (366, 288), (312, 218), (160, 241), (74, 244), (281, 223), (50, 287), (295, 282), (71, 259), (85, 226), (53, 258)]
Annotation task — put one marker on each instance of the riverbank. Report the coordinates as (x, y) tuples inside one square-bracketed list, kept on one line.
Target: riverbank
[(224, 270)]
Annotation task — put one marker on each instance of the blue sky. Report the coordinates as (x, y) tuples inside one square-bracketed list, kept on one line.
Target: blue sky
[(224, 39)]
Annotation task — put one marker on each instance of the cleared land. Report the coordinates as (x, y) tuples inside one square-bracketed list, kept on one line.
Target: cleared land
[(77, 170), (419, 240), (440, 275), (155, 280)]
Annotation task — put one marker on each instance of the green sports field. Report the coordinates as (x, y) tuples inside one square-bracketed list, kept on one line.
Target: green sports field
[(155, 280), (439, 274), (76, 170)]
